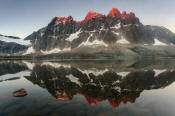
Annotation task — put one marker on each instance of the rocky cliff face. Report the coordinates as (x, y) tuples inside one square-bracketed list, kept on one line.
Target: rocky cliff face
[(97, 29)]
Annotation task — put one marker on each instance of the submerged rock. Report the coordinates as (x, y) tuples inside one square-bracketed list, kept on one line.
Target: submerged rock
[(20, 93)]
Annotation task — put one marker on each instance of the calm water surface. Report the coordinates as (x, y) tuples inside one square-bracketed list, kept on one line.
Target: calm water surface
[(91, 88)]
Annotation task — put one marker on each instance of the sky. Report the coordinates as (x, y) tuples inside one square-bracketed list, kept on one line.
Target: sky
[(22, 17)]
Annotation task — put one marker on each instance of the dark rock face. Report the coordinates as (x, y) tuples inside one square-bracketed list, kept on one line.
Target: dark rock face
[(10, 48), (64, 32), (35, 35)]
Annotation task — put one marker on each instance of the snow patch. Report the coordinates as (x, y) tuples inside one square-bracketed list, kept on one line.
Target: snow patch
[(73, 36), (93, 31), (171, 44), (96, 72), (102, 28), (30, 50), (11, 76), (29, 65), (158, 43), (41, 34), (18, 41), (56, 65), (123, 41), (117, 89), (116, 82), (55, 50), (117, 26), (73, 79), (123, 74), (116, 33), (158, 72), (94, 43)]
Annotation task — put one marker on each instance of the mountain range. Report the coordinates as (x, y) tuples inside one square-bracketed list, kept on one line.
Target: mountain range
[(117, 32), (12, 44)]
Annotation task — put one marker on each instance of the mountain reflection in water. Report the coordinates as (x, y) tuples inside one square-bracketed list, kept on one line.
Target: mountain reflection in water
[(63, 82), (114, 82)]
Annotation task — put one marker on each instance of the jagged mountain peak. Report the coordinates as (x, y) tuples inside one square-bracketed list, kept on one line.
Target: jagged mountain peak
[(92, 14), (96, 29), (114, 12), (128, 15), (64, 19)]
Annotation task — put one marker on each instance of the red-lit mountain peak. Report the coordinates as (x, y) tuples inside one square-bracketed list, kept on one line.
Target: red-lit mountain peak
[(124, 13), (91, 100), (90, 15), (64, 96), (114, 12), (128, 15), (116, 102), (64, 19), (131, 14)]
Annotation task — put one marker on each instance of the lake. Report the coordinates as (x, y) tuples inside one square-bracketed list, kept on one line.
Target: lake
[(87, 88)]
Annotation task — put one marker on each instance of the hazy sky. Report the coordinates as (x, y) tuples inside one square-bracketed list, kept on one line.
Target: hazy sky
[(22, 17)]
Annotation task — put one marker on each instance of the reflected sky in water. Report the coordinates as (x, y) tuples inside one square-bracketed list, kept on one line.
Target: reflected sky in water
[(87, 88)]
